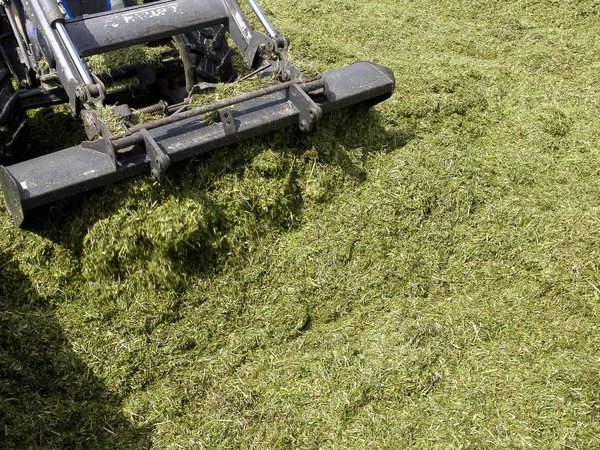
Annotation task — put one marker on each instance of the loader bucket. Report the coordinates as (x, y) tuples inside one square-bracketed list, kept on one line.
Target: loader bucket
[(154, 146)]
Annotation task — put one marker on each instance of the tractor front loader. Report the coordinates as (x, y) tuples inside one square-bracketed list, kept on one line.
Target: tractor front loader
[(46, 48)]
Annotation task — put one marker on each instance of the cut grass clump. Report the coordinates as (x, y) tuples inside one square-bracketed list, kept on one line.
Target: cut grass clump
[(322, 182), (157, 243), (121, 85), (111, 119), (227, 90), (265, 197), (128, 56), (555, 121), (151, 245)]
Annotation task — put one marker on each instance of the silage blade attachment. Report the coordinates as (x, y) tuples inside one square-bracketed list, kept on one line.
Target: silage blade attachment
[(152, 148)]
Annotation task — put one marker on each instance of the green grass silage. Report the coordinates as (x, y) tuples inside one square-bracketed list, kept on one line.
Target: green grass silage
[(423, 274)]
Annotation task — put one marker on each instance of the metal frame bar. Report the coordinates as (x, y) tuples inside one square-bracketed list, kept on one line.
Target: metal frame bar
[(110, 30)]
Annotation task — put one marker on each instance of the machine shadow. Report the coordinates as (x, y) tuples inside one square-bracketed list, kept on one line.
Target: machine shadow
[(48, 397)]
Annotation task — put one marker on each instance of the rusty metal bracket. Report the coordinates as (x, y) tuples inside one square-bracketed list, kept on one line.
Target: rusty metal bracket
[(308, 110), (226, 115), (159, 159)]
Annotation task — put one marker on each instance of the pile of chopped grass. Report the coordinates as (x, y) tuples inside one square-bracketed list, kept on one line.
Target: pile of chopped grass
[(128, 56), (111, 119), (224, 91)]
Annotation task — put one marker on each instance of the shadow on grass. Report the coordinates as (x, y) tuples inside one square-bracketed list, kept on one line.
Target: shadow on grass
[(239, 194), (48, 397)]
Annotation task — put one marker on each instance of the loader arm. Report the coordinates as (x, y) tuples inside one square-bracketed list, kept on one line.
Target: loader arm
[(67, 40)]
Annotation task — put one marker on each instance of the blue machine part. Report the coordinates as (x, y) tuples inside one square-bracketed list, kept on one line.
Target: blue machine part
[(67, 9)]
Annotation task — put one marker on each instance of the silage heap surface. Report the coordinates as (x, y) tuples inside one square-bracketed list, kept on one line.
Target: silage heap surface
[(422, 274)]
